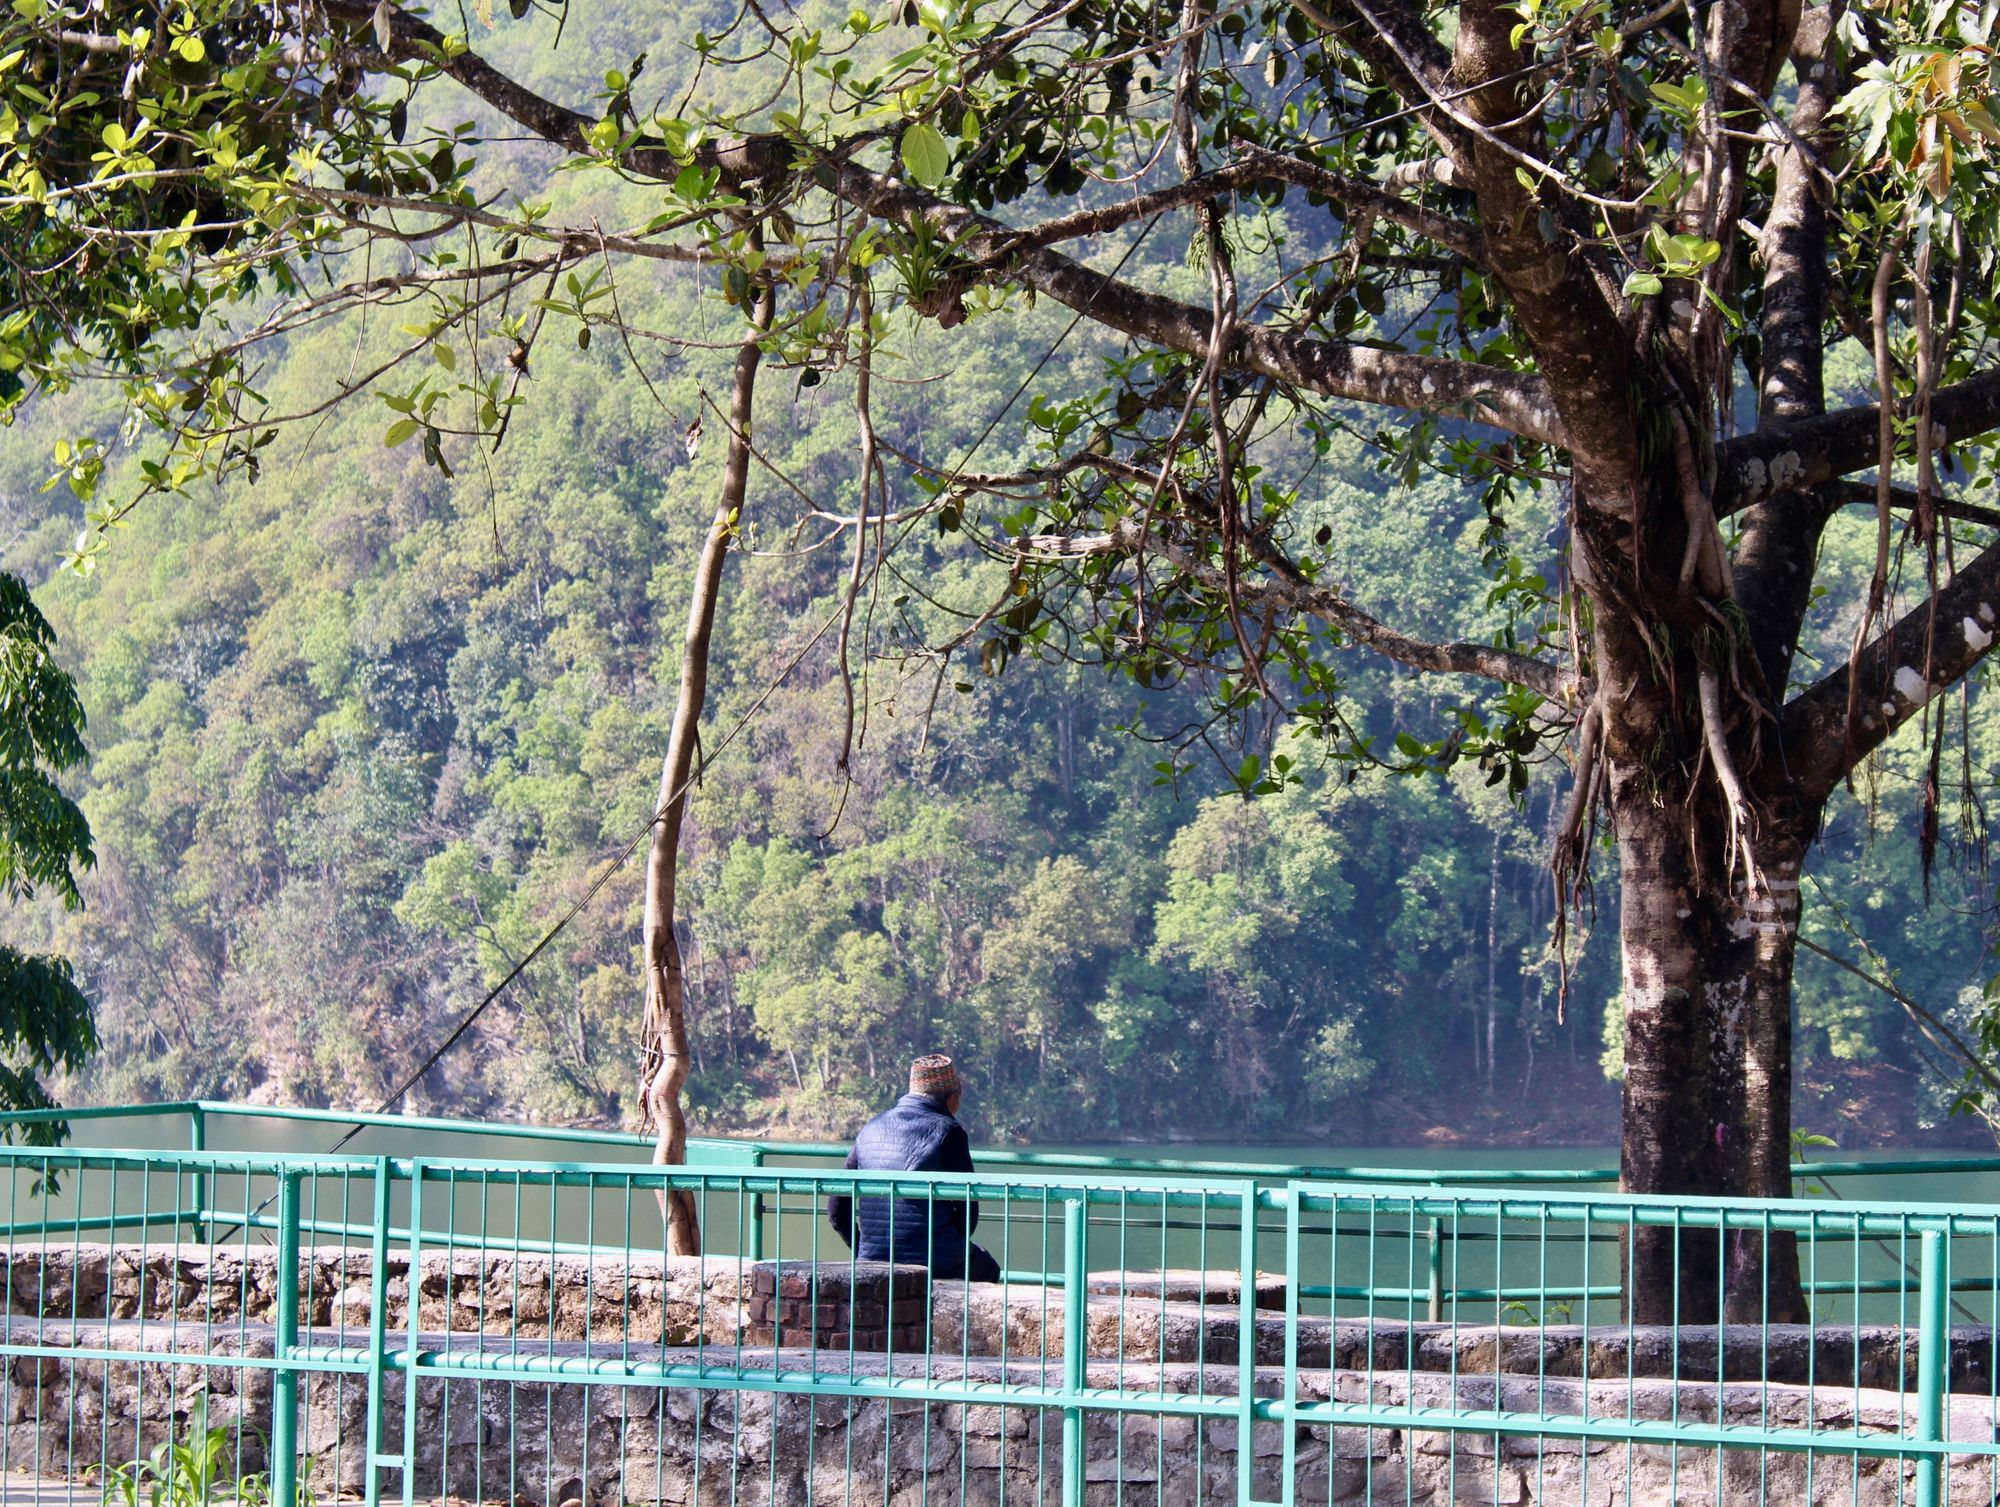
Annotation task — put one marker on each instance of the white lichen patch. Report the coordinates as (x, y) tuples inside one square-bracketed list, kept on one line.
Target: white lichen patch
[(1786, 469), (1976, 637), (1910, 685), (1986, 612), (1728, 1000)]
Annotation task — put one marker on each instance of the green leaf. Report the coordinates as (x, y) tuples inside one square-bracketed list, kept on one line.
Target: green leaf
[(925, 154), (399, 431), (1981, 120), (1642, 285)]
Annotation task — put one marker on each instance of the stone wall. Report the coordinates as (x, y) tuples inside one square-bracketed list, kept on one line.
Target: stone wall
[(684, 1299), (602, 1444)]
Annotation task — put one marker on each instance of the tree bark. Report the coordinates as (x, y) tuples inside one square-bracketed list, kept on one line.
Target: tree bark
[(1708, 1071), (665, 1070), (1493, 963)]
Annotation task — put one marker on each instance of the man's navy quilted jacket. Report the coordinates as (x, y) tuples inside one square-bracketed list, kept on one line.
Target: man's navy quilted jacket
[(916, 1136)]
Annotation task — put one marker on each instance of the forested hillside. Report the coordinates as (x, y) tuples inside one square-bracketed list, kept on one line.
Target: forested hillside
[(359, 734)]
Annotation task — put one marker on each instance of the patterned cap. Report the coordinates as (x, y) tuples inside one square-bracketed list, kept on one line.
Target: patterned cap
[(935, 1075)]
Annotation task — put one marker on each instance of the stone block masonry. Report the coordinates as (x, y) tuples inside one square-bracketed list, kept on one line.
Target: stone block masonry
[(858, 1305), (189, 1323), (713, 1300), (604, 1445)]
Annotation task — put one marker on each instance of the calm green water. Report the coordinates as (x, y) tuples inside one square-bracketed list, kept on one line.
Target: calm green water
[(1380, 1248), (275, 1137)]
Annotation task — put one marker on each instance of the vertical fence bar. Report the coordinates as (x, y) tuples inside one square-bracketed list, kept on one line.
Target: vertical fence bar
[(198, 1141), (1076, 1335), (378, 1332), (1434, 1256), (1933, 1362), (1246, 1351), (757, 1209), (1295, 1198), (411, 1352), (285, 1378)]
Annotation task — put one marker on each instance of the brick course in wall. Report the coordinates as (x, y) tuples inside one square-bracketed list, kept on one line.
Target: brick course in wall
[(830, 1305)]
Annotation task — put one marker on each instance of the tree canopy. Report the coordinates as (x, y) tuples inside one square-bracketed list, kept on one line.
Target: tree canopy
[(1582, 251), (46, 1023)]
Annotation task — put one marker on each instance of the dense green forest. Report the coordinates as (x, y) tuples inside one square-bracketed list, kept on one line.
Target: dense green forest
[(359, 734)]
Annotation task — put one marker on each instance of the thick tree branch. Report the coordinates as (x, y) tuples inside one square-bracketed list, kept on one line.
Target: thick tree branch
[(1579, 344), (1862, 494), (1894, 688), (1783, 457), (1793, 245), (1288, 589), (1403, 52), (1453, 235), (1256, 165), (1511, 401), (1772, 588)]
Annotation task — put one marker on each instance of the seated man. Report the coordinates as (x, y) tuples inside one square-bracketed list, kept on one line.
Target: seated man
[(918, 1135)]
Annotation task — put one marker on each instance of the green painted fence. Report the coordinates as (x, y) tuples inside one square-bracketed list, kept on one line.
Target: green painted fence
[(1431, 1336)]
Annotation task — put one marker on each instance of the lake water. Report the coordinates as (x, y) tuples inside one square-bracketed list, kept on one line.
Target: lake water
[(1376, 1246), (1948, 1184)]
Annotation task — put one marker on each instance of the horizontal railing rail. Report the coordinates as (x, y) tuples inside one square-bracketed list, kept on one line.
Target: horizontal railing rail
[(360, 1303), (703, 1149)]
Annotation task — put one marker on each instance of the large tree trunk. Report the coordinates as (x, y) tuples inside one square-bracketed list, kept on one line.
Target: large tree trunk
[(1708, 963), (665, 1070), (1708, 1072)]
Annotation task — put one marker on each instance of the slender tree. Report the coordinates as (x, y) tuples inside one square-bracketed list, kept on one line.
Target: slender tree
[(664, 1072), (1599, 249)]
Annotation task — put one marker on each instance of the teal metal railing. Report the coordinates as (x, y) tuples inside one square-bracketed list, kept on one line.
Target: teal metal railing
[(1437, 1294), (512, 1330)]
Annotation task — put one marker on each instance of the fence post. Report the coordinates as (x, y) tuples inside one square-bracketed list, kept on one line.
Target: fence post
[(1076, 1340), (285, 1377), (757, 1209), (1294, 1270), (414, 1315), (198, 1227), (1933, 1362), (378, 1334), (1246, 1350), (1434, 1257)]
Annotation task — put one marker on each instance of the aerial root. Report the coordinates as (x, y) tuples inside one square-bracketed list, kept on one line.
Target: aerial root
[(1703, 558), (1742, 819)]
